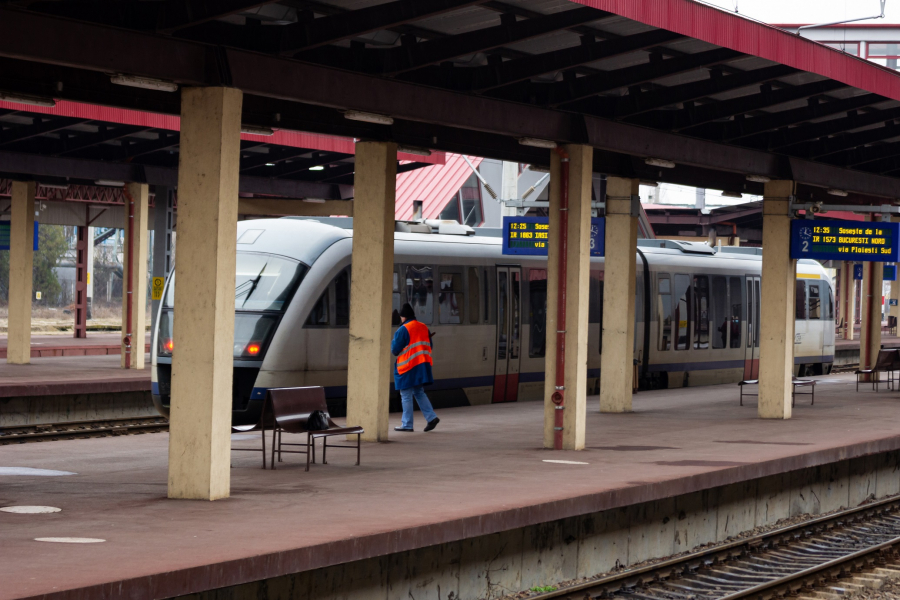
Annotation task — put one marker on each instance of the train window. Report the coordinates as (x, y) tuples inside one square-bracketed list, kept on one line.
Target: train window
[(474, 295), (451, 299), (537, 302), (318, 316), (737, 309), (829, 304), (420, 292), (701, 312), (682, 315), (515, 292), (664, 312), (395, 299), (719, 316), (801, 313), (342, 298), (815, 302), (264, 282), (486, 280)]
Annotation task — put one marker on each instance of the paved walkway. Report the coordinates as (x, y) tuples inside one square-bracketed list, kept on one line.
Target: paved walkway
[(483, 470)]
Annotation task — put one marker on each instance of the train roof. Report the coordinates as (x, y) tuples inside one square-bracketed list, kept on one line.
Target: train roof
[(305, 239)]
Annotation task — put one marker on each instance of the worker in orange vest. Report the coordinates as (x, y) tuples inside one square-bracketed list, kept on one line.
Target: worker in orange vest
[(412, 347)]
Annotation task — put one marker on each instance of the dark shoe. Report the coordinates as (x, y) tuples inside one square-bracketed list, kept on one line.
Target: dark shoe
[(432, 424), (403, 429)]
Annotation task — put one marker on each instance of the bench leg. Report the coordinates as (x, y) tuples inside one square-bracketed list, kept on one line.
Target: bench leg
[(309, 436), (279, 445), (813, 396), (358, 438), (308, 439), (264, 441), (274, 436), (742, 395), (325, 450)]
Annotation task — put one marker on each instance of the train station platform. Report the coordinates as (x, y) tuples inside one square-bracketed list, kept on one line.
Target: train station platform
[(96, 344), (476, 503), (846, 352)]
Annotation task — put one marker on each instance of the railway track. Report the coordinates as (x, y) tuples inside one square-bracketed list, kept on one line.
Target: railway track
[(81, 429), (826, 552)]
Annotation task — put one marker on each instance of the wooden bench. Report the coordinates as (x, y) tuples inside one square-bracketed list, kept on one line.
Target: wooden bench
[(291, 408), (795, 383)]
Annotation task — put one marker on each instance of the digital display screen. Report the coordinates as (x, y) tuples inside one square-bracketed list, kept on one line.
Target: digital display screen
[(530, 235), (856, 241), (4, 235)]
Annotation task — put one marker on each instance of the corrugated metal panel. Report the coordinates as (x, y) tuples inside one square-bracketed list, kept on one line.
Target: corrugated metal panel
[(732, 31), (434, 185), (281, 137)]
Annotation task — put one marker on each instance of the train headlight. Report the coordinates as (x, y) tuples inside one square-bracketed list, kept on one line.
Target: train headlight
[(169, 345), (253, 349)]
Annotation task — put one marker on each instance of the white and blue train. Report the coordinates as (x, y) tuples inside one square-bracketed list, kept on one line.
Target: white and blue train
[(696, 319)]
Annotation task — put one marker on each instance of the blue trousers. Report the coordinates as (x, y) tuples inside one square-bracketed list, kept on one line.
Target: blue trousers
[(406, 397)]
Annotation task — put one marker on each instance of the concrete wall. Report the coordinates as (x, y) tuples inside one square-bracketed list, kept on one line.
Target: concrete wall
[(491, 566), (37, 410)]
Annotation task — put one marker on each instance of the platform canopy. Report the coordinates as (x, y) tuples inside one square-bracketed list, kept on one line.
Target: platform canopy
[(721, 96)]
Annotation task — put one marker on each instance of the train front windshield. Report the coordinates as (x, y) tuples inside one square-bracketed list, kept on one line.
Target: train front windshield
[(264, 285)]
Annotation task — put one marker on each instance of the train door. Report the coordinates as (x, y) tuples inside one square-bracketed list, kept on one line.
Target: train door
[(751, 356), (509, 319)]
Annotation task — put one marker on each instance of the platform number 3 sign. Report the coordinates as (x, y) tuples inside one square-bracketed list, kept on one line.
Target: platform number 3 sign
[(157, 291)]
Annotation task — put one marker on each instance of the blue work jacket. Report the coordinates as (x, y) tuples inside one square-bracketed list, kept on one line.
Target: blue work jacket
[(418, 375)]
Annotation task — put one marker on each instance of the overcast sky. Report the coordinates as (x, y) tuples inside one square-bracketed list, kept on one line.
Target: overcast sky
[(811, 11)]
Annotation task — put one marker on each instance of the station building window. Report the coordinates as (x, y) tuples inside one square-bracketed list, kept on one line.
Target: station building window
[(885, 54), (847, 47), (420, 292), (451, 298), (466, 204)]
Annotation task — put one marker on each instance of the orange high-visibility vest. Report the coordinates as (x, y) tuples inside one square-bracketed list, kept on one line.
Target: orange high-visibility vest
[(419, 349)]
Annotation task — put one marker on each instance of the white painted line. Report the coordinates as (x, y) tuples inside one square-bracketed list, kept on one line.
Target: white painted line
[(566, 462), (30, 510), (34, 472), (70, 540)]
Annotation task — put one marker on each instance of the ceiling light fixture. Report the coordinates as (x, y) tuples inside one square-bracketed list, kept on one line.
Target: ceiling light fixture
[(649, 183), (317, 168), (315, 200), (727, 194), (270, 164), (26, 99), (836, 192), (660, 162), (147, 83), (758, 178), (537, 143), (414, 150), (257, 130), (355, 115), (110, 182)]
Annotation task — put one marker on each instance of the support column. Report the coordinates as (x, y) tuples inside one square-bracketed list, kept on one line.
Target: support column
[(894, 311), (134, 332), (777, 318), (578, 232), (21, 262), (870, 327), (370, 364), (202, 363), (617, 358), (162, 242), (848, 301), (82, 241)]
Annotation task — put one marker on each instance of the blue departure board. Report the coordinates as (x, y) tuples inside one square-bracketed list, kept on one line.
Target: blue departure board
[(530, 235), (855, 241)]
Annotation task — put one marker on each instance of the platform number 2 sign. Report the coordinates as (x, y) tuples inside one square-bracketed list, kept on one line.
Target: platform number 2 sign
[(157, 291)]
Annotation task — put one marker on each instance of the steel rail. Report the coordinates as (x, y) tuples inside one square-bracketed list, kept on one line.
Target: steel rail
[(662, 569), (76, 429)]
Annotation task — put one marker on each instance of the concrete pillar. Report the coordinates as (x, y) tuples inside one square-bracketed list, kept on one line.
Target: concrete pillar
[(135, 227), (617, 359), (162, 242), (21, 261), (777, 316), (870, 327), (202, 363), (848, 301), (370, 363), (577, 288)]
